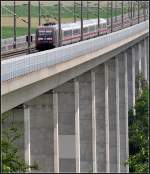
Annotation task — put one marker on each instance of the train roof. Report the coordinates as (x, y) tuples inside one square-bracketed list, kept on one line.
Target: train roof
[(77, 25), (43, 26)]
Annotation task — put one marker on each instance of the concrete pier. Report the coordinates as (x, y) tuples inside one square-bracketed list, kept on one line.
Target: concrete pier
[(112, 115), (66, 127), (77, 125), (78, 119), (39, 132), (100, 118), (85, 109)]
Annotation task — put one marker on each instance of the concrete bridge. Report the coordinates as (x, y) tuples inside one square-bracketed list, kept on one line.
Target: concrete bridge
[(73, 101)]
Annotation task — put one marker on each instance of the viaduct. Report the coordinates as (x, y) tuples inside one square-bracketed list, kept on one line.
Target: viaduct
[(72, 102)]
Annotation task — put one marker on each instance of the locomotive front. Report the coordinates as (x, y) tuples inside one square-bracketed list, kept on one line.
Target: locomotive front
[(44, 38)]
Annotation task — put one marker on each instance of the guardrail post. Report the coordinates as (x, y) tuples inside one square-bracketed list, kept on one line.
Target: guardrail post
[(81, 20), (131, 13), (39, 13), (14, 44), (74, 11), (98, 17), (29, 26), (138, 13), (122, 14), (59, 23), (111, 16)]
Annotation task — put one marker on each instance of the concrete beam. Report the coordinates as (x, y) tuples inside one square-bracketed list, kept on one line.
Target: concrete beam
[(14, 91), (133, 73), (107, 120), (100, 118), (140, 56), (56, 138), (122, 111), (94, 122), (41, 132), (85, 110), (77, 125), (112, 114), (66, 128), (27, 141), (126, 110), (145, 59), (117, 114), (129, 74)]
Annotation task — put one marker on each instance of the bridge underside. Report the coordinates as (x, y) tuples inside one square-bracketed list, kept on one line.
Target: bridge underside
[(82, 125)]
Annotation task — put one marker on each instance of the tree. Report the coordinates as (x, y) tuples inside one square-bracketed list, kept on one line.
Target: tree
[(11, 161), (138, 130)]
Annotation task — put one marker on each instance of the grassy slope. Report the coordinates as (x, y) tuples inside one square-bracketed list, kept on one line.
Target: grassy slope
[(51, 11), (7, 32)]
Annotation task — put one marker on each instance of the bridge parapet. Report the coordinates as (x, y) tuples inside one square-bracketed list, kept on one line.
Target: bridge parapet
[(23, 65)]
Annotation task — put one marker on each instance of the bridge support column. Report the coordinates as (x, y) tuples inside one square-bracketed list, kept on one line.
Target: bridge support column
[(107, 120), (147, 49), (126, 109), (38, 115), (136, 68), (27, 141), (112, 114), (94, 123), (117, 113), (77, 125), (140, 56), (145, 59), (101, 128), (66, 127), (133, 74), (56, 138), (85, 110), (123, 104), (128, 54)]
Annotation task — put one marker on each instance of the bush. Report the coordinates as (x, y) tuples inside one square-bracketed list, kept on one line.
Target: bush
[(138, 130), (11, 161)]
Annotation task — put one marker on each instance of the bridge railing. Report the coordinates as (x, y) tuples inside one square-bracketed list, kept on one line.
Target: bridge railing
[(23, 65), (7, 44)]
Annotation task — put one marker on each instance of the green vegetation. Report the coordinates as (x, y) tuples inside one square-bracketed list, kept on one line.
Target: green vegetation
[(138, 131), (7, 32), (49, 11), (67, 12), (11, 160)]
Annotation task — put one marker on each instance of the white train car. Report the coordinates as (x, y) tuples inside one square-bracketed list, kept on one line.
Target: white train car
[(71, 32)]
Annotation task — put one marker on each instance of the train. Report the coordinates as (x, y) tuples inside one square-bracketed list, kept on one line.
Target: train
[(47, 35)]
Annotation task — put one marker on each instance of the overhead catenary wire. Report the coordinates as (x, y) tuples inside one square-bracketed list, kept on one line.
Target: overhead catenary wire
[(17, 17)]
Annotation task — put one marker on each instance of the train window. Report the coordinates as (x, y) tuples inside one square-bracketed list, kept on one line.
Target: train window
[(104, 25), (85, 30), (92, 28), (48, 31), (41, 33), (68, 33), (76, 31)]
